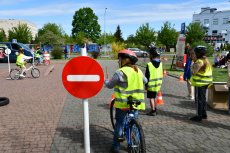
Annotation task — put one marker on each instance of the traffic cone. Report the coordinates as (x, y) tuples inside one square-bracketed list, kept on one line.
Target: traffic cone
[(181, 78), (159, 99), (164, 72)]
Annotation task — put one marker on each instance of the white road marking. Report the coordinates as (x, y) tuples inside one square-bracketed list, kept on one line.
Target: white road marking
[(83, 78)]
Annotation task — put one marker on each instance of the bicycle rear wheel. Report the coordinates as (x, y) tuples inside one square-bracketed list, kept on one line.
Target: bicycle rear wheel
[(112, 113), (137, 139), (14, 74), (35, 73)]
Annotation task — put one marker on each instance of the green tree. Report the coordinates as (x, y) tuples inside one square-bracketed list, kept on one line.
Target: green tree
[(2, 35), (109, 39), (118, 35), (194, 33), (167, 35), (22, 33), (49, 38), (145, 35), (85, 21), (51, 34), (53, 27)]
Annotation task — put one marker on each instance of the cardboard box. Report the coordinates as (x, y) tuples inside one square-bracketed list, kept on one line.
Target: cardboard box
[(218, 96)]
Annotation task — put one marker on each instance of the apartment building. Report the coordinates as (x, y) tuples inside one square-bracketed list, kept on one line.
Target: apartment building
[(216, 23), (8, 24)]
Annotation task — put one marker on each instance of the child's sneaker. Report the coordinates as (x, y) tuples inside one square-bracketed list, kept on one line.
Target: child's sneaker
[(21, 75)]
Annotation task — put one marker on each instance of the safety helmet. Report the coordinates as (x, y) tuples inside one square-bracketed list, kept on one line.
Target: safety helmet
[(38, 47), (153, 52), (128, 54), (200, 51)]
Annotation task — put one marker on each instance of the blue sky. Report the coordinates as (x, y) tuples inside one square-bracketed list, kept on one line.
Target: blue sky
[(129, 14)]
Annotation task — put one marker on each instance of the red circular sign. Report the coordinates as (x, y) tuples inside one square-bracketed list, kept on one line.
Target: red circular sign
[(83, 77)]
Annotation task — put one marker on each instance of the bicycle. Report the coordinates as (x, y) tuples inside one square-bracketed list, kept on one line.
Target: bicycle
[(15, 73), (44, 61), (132, 130)]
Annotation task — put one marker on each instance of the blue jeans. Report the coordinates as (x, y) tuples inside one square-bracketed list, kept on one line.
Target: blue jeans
[(119, 125)]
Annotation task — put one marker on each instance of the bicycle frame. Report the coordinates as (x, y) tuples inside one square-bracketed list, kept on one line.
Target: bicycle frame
[(129, 116)]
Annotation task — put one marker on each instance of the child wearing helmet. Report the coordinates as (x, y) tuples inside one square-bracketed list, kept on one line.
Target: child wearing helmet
[(127, 81), (201, 79), (154, 74), (20, 61)]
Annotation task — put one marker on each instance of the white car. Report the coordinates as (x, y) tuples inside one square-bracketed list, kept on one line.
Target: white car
[(138, 52)]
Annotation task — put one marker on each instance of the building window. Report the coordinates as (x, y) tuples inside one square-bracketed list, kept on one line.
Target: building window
[(206, 21), (215, 22), (214, 32), (225, 20)]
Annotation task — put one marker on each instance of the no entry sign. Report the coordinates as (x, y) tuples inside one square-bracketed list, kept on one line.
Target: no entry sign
[(83, 77)]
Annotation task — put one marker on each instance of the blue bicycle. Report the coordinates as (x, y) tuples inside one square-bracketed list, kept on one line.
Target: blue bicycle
[(132, 130)]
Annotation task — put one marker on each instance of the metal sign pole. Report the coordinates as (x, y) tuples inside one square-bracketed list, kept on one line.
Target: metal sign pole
[(86, 115), (8, 51)]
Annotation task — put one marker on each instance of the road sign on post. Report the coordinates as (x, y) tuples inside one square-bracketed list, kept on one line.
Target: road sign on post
[(83, 78)]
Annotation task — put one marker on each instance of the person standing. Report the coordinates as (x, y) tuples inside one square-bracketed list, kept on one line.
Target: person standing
[(154, 74), (127, 81), (66, 53), (187, 74), (201, 79)]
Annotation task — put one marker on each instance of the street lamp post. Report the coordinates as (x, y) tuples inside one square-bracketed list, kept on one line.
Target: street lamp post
[(104, 33)]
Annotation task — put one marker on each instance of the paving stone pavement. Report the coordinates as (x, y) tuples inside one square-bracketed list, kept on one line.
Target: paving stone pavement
[(47, 119)]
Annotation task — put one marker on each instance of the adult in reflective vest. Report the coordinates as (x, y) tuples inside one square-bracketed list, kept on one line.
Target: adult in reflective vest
[(127, 81), (154, 74), (20, 62), (201, 79)]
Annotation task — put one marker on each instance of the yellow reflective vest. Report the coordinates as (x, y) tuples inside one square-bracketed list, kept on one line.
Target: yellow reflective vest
[(202, 78), (36, 54), (19, 60), (155, 79), (135, 89)]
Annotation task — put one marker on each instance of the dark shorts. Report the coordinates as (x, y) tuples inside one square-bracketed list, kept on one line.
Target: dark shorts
[(151, 94)]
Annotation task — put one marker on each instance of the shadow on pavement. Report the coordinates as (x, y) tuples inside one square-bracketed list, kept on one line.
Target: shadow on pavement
[(186, 105), (173, 96), (100, 139), (185, 118)]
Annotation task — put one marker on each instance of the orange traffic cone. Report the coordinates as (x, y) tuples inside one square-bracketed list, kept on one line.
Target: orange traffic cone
[(181, 78), (164, 72), (159, 99)]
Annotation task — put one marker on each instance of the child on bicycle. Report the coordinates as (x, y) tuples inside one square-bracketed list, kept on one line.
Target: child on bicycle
[(154, 74), (20, 62), (127, 81)]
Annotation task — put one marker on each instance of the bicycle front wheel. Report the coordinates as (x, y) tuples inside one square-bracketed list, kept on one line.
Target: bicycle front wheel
[(137, 139), (35, 73), (14, 74), (112, 113)]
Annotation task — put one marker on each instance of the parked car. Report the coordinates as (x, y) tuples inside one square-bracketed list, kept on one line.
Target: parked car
[(14, 47), (138, 52)]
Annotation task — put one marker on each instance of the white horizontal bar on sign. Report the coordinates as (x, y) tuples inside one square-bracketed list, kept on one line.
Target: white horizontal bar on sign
[(83, 78)]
